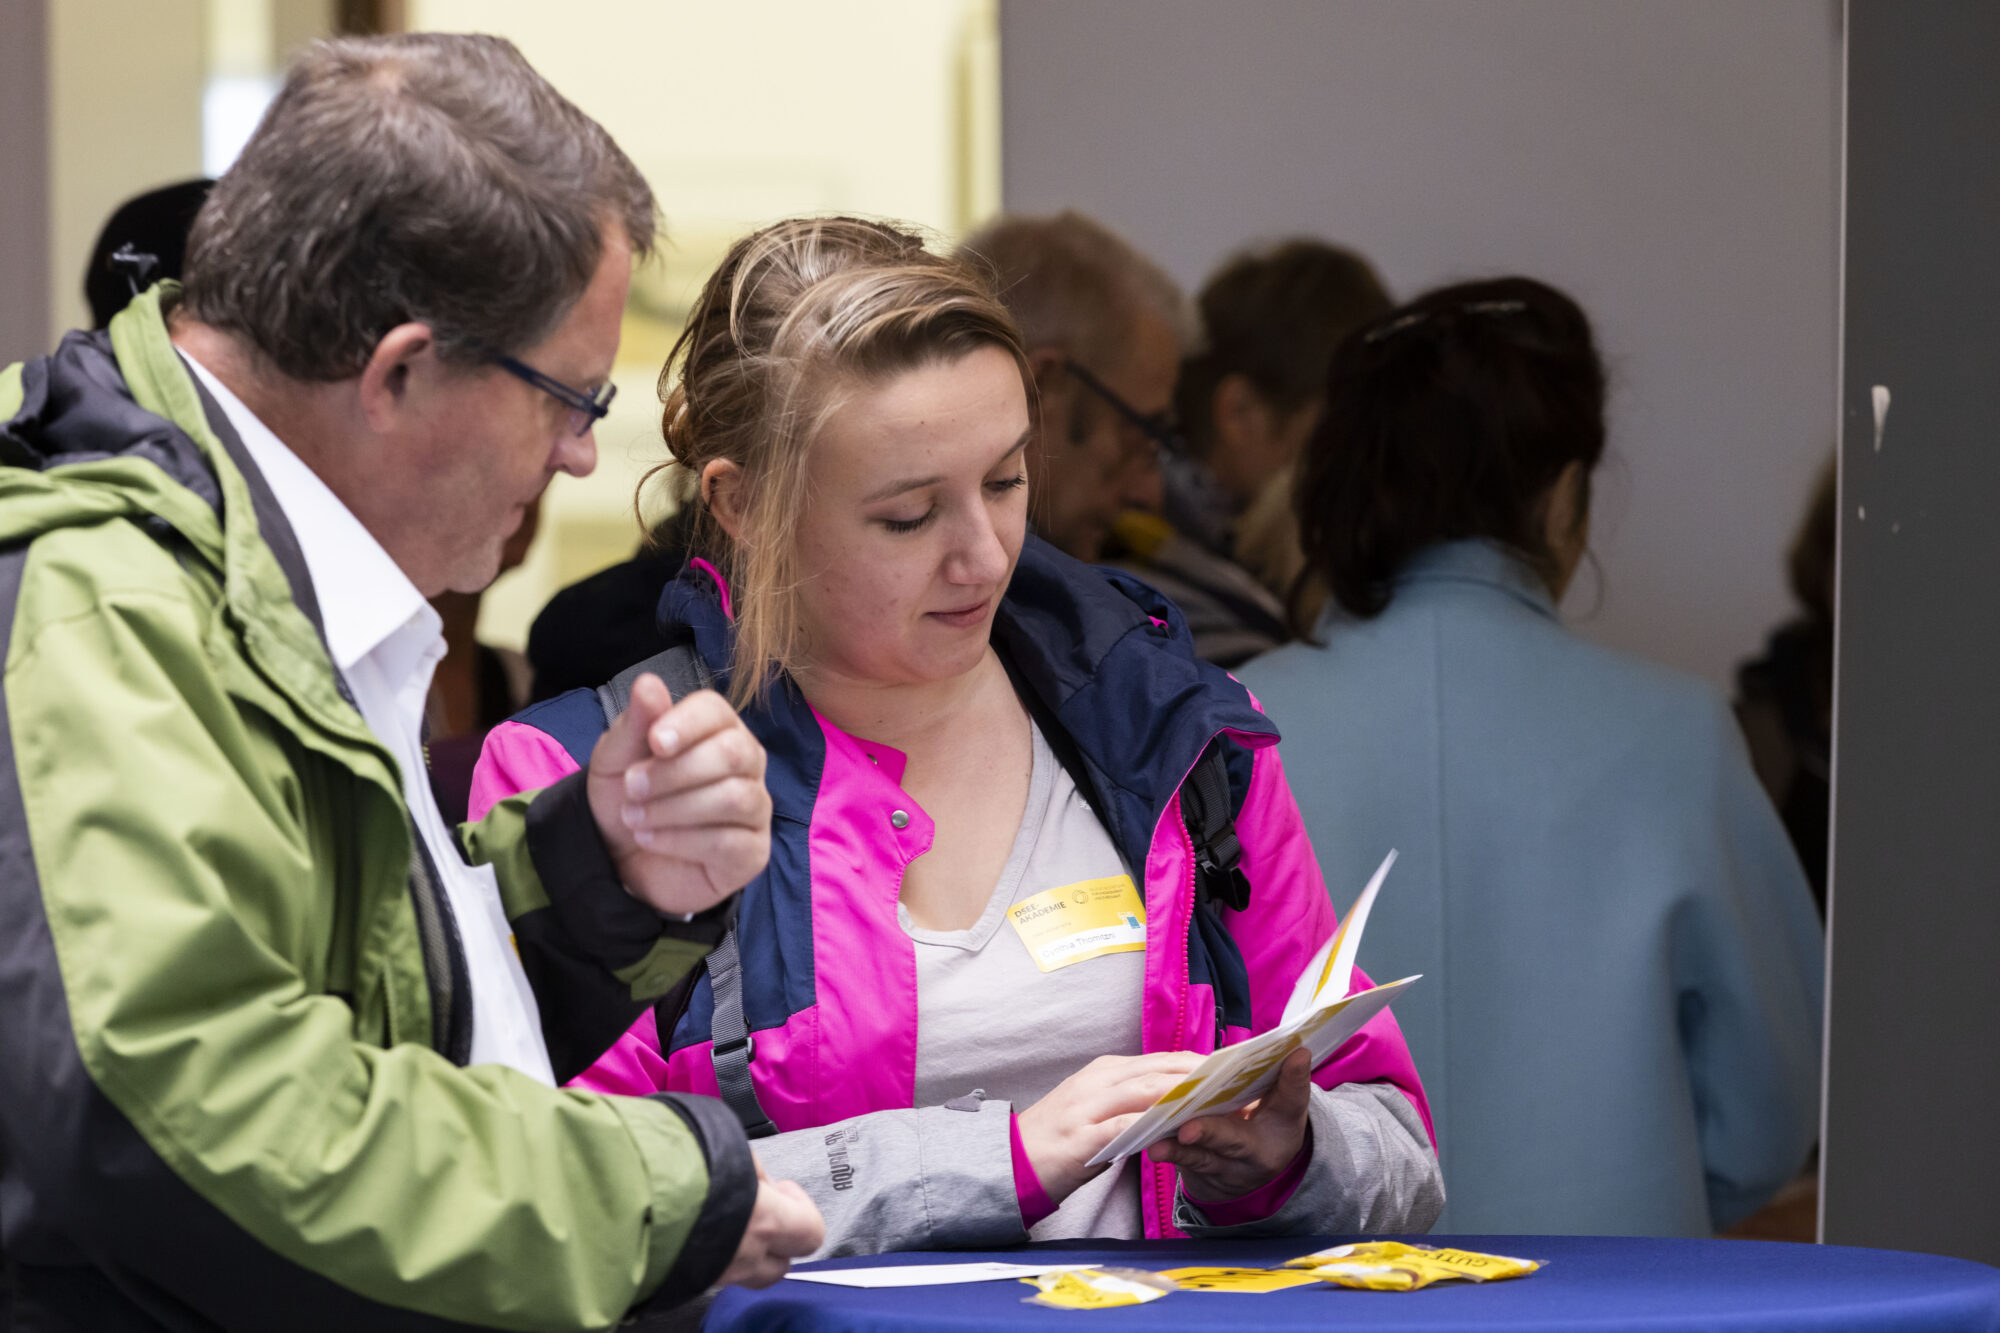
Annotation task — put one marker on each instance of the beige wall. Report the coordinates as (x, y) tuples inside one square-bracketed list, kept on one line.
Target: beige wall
[(24, 166), (738, 114), (125, 84), (1673, 163)]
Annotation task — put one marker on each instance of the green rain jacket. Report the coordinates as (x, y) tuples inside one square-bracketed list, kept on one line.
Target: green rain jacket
[(233, 1013)]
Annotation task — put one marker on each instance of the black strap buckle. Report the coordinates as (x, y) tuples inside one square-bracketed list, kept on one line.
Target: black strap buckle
[(744, 1043), (1222, 883)]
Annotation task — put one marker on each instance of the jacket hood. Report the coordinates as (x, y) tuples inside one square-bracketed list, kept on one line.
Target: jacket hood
[(92, 435), (114, 426)]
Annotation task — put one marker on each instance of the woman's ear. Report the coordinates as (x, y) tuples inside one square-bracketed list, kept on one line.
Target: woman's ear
[(722, 492)]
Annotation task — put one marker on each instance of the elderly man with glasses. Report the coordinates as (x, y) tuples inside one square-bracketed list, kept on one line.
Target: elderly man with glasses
[(1106, 329), (282, 1048)]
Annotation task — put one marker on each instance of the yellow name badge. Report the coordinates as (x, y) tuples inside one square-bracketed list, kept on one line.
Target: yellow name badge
[(1081, 921)]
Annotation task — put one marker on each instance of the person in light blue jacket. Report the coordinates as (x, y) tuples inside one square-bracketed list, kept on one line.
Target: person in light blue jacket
[(1619, 1023)]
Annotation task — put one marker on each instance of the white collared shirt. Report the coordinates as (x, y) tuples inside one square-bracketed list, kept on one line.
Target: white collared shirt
[(387, 641)]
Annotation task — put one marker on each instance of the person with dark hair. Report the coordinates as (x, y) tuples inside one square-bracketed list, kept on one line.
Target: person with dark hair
[(1784, 699), (1104, 326), (1252, 390), (1623, 1021), (1246, 399), (281, 1045), (143, 242), (596, 627)]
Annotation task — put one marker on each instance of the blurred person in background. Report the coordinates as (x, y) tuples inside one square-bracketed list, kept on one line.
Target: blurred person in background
[(1104, 328), (601, 624), (282, 1045), (144, 241), (1784, 699), (1273, 320), (1225, 546), (970, 733), (1620, 1022)]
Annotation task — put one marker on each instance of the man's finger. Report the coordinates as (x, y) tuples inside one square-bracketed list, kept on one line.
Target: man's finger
[(625, 742), (730, 753), (739, 801), (722, 850), (688, 723), (802, 1228)]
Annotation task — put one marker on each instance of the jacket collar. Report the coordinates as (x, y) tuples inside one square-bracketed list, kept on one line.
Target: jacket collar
[(115, 423), (1481, 563)]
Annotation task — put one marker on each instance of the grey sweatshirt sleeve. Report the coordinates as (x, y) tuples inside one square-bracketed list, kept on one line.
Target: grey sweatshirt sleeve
[(1372, 1171), (933, 1178)]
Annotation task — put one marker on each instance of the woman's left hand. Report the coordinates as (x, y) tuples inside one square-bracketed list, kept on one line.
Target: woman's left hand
[(1227, 1156)]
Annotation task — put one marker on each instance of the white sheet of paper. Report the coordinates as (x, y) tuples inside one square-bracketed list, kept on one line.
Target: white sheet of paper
[(1320, 1016), (930, 1275), (1327, 975)]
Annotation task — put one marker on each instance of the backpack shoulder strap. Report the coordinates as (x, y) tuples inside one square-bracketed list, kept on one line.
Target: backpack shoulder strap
[(679, 667), (1211, 825), (731, 1046)]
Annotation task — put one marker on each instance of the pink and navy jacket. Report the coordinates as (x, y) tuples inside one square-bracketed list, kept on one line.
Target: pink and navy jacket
[(1106, 666)]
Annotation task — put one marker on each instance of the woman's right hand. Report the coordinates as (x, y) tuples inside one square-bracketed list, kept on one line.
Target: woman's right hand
[(1091, 1107)]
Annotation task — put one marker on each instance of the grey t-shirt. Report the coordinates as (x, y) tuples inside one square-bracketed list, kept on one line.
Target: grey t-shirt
[(989, 1017)]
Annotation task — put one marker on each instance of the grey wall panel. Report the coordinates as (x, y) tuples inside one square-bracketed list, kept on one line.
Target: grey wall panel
[(1674, 163), (1912, 1152), (24, 167)]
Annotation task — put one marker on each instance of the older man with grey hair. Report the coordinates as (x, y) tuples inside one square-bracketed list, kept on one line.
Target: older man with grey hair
[(1104, 326), (1106, 329), (281, 1048)]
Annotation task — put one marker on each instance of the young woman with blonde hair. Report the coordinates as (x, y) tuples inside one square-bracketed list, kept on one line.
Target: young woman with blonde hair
[(970, 736)]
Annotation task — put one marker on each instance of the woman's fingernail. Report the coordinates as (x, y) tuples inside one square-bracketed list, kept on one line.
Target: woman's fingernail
[(633, 816), (637, 788), (644, 837), (666, 742)]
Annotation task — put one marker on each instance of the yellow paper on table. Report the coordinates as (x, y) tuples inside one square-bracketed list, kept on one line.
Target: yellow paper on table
[(1240, 1279), (1321, 1017), (1081, 921), (1098, 1288), (1392, 1265)]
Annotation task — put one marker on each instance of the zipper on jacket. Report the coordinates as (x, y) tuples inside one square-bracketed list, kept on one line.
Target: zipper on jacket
[(444, 956), (1163, 1188)]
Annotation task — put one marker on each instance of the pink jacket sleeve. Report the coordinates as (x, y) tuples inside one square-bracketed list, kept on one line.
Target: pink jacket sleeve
[(515, 758), (1289, 916), (518, 758)]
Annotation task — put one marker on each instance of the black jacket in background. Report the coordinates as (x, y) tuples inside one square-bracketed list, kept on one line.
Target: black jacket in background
[(598, 626)]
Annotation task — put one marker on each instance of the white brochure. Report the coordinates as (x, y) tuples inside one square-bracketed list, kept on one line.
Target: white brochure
[(1320, 1016)]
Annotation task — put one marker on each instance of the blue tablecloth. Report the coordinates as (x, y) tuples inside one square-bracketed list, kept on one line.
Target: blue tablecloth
[(1589, 1283)]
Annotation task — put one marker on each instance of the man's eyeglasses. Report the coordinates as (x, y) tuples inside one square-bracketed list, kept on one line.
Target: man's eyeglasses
[(1161, 428), (585, 409)]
